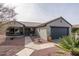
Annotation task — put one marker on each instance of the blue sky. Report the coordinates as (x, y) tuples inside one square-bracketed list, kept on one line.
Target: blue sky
[(43, 12)]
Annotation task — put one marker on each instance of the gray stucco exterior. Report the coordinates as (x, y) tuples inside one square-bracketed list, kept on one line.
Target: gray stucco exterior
[(59, 22)]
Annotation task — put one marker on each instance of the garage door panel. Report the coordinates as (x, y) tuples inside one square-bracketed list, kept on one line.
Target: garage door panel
[(57, 32)]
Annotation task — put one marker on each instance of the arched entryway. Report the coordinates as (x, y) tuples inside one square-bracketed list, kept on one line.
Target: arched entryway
[(14, 36)]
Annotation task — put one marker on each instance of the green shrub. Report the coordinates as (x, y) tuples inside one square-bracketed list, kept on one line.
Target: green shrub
[(75, 51), (74, 30), (68, 43)]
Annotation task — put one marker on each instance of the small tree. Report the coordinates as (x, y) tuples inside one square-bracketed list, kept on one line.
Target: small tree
[(6, 13)]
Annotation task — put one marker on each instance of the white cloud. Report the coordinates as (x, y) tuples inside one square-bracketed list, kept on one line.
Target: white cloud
[(29, 12), (26, 12)]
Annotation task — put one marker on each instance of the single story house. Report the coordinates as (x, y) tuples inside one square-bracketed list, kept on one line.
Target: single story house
[(55, 28)]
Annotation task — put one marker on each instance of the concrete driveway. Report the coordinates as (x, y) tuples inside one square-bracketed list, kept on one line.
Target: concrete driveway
[(30, 47)]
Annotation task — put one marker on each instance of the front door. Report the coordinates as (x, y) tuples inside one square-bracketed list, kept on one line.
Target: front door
[(29, 31)]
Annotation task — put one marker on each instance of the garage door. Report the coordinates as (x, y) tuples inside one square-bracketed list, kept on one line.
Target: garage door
[(57, 32)]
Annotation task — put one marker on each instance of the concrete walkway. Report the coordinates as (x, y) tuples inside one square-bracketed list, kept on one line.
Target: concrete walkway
[(34, 46), (25, 52), (31, 47), (27, 40)]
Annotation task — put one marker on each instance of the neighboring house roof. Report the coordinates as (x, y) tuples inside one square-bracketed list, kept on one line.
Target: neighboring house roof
[(75, 26), (35, 24)]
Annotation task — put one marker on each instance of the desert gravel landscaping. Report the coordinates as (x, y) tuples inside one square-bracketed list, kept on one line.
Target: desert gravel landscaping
[(53, 51), (9, 50), (12, 47)]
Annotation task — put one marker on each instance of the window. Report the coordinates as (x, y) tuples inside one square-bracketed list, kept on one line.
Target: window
[(14, 31)]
